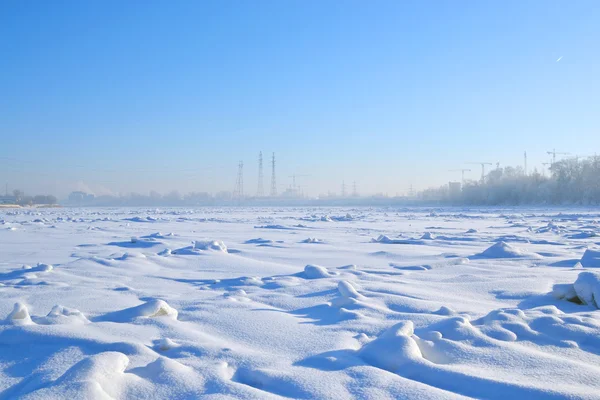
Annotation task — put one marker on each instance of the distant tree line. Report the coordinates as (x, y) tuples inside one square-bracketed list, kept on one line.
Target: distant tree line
[(173, 198), (24, 200), (571, 181)]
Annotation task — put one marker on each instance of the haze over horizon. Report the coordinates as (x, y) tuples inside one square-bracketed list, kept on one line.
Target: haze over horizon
[(114, 97)]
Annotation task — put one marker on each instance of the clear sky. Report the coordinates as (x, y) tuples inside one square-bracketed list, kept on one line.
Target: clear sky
[(123, 96)]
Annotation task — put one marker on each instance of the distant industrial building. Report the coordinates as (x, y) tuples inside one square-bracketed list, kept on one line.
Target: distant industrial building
[(80, 197), (8, 199)]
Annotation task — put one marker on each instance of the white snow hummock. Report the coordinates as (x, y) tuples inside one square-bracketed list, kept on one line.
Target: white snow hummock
[(165, 344), (565, 291), (154, 308), (164, 253), (64, 315), (591, 259), (348, 296), (99, 376), (19, 315), (315, 272), (428, 236), (504, 250), (312, 240), (210, 245), (585, 290), (386, 239), (587, 287), (43, 268), (348, 291), (151, 309), (393, 349)]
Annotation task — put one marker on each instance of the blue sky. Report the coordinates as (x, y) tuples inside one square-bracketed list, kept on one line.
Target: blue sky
[(136, 95)]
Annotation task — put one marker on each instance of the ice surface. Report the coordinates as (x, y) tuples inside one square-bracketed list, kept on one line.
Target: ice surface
[(299, 303)]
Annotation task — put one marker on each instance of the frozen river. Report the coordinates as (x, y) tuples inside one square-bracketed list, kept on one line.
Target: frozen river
[(296, 302)]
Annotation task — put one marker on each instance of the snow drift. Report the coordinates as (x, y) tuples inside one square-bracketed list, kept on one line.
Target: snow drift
[(585, 290)]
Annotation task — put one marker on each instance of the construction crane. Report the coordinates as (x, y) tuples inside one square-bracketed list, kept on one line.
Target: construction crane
[(553, 153), (462, 171), (483, 164)]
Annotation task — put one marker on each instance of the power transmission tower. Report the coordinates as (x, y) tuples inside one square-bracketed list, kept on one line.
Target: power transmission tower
[(273, 181), (260, 191), (525, 163), (354, 191), (238, 193), (343, 189)]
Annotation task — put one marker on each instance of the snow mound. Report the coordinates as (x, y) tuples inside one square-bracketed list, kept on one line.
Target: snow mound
[(277, 226), (504, 250), (315, 272), (165, 344), (393, 349), (348, 291), (591, 259), (428, 236), (130, 255), (96, 377), (565, 291), (19, 315), (445, 311), (164, 253), (63, 315), (387, 240), (348, 296), (585, 290), (381, 239), (44, 268), (258, 241), (587, 287), (151, 309), (154, 308), (210, 245), (312, 240), (237, 292)]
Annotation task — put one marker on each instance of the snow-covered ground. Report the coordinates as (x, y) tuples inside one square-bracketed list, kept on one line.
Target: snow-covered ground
[(299, 303)]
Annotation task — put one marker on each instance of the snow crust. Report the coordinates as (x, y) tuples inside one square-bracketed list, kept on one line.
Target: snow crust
[(385, 304)]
